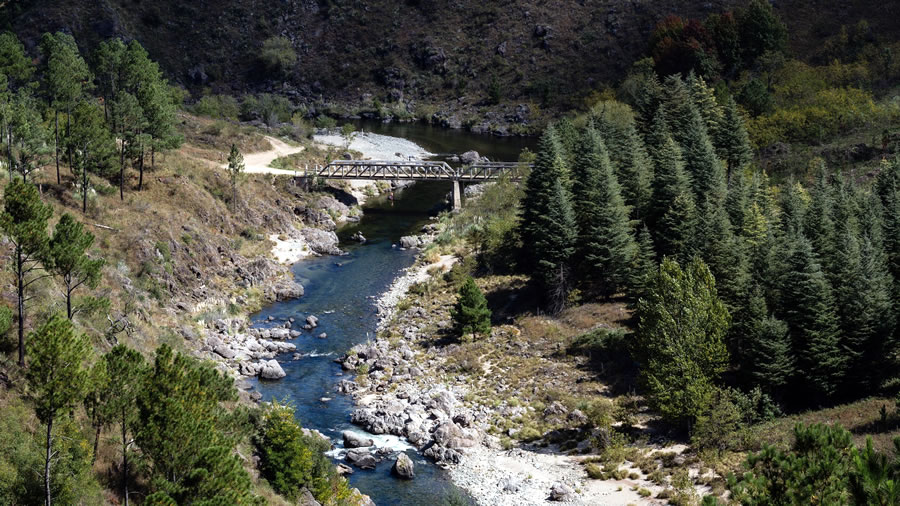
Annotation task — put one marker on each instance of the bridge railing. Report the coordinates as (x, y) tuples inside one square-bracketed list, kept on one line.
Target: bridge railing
[(416, 170)]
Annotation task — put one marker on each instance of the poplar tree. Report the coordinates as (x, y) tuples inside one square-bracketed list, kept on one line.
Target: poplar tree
[(24, 221), (57, 378), (235, 169), (470, 314), (807, 305), (681, 329), (605, 244), (68, 259)]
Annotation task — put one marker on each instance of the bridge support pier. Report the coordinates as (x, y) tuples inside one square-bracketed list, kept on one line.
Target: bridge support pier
[(457, 196)]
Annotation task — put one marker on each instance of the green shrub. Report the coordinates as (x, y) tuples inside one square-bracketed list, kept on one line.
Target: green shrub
[(217, 106), (278, 55), (291, 460)]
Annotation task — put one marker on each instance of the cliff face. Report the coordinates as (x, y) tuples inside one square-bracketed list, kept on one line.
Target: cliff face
[(353, 51)]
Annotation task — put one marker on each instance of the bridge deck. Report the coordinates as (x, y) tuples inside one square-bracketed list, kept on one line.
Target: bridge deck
[(417, 170)]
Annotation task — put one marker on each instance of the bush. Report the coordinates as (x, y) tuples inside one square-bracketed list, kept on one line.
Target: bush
[(217, 106), (278, 55), (292, 461), (266, 107)]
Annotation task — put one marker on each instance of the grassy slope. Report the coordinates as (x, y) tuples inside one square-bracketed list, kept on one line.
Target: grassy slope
[(173, 252)]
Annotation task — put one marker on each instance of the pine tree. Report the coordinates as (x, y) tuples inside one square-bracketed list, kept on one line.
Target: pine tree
[(669, 181), (24, 221), (548, 222), (677, 228), (643, 265), (470, 314), (807, 305), (732, 140), (681, 329), (125, 369), (65, 75), (737, 201), (634, 170), (704, 100), (768, 346), (605, 245), (57, 377), (129, 121), (92, 146), (67, 258), (700, 160), (235, 169)]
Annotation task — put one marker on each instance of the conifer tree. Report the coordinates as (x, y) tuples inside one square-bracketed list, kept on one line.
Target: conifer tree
[(68, 259), (125, 369), (704, 100), (24, 221), (737, 201), (235, 169), (700, 160), (92, 146), (677, 228), (634, 170), (548, 223), (647, 105), (731, 138), (129, 121), (605, 245), (643, 265), (681, 327), (807, 305), (679, 109), (65, 74), (470, 314), (669, 180), (57, 378), (27, 140), (768, 348)]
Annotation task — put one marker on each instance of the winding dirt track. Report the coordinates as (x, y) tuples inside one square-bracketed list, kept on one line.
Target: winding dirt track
[(258, 163)]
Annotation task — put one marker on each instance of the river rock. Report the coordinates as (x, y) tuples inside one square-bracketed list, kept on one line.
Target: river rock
[(323, 335), (287, 290), (354, 440), (561, 492), (404, 467), (280, 333), (312, 321), (409, 241), (510, 484), (361, 458), (225, 351), (321, 241), (271, 370), (470, 157)]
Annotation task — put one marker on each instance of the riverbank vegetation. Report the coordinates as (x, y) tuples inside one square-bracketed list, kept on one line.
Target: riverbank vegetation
[(746, 298), (123, 236)]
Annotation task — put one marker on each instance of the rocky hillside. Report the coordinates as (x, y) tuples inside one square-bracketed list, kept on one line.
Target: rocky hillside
[(520, 56)]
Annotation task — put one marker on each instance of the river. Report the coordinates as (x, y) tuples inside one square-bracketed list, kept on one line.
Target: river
[(341, 291)]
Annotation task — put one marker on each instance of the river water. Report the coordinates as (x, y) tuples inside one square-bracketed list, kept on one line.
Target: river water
[(341, 291)]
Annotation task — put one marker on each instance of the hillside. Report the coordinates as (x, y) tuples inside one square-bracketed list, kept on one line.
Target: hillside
[(528, 55)]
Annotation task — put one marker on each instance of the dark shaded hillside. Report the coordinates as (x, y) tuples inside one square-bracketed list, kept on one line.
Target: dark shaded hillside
[(547, 53)]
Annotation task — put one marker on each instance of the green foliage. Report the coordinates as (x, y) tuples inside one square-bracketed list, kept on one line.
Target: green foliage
[(278, 55), (181, 417), (680, 339), (605, 244), (292, 461), (470, 314), (266, 107), (67, 258), (815, 471), (217, 106)]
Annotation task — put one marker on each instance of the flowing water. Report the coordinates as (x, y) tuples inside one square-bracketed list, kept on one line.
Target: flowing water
[(340, 292)]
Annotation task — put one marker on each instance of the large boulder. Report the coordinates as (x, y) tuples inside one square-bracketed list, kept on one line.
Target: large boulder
[(561, 492), (409, 241), (306, 498), (354, 440), (271, 370), (470, 157), (361, 458), (225, 351), (403, 467), (322, 242)]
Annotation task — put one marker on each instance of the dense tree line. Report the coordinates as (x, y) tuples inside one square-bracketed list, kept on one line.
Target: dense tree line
[(86, 111), (798, 282)]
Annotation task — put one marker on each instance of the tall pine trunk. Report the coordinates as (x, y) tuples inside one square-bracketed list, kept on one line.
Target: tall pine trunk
[(47, 463), (124, 458), (141, 167), (56, 147), (20, 286), (122, 171), (84, 182), (68, 132)]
